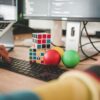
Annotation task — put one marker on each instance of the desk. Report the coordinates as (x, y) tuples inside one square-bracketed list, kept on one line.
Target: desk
[(10, 81)]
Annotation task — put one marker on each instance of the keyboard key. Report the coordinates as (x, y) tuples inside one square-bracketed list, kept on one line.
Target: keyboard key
[(3, 25)]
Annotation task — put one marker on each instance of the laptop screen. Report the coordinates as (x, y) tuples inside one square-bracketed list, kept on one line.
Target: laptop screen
[(8, 10)]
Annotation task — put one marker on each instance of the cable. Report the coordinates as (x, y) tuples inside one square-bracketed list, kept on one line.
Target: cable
[(90, 56), (90, 38), (89, 43), (87, 57), (57, 45)]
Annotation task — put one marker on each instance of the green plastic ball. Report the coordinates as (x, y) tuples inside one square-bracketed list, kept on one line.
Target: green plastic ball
[(70, 58)]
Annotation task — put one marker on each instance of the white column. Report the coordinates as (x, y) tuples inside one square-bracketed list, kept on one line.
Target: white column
[(56, 33), (72, 36)]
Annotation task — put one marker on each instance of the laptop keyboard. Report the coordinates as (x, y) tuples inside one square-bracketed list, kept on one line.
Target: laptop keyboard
[(3, 25), (38, 71)]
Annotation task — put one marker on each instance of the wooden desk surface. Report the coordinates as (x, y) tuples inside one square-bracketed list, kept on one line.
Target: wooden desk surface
[(10, 81)]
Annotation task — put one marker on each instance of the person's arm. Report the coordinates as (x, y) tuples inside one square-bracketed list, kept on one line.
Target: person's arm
[(4, 53)]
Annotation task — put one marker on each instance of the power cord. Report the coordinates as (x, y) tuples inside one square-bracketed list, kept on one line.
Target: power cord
[(89, 43), (87, 57), (90, 38), (57, 45)]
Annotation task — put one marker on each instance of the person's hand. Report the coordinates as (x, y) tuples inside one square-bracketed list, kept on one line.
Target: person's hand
[(4, 53)]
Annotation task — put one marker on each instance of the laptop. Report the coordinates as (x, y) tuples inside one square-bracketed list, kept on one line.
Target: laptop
[(8, 16)]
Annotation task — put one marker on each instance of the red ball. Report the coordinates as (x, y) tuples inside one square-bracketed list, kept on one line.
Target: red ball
[(52, 57)]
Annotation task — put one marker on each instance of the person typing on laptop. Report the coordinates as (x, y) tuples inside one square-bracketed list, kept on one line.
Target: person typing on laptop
[(4, 53)]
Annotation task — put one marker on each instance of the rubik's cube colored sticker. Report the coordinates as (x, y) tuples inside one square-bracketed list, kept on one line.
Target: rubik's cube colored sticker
[(36, 55), (41, 40)]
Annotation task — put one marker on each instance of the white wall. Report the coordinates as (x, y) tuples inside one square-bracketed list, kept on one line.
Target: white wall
[(92, 27), (43, 24)]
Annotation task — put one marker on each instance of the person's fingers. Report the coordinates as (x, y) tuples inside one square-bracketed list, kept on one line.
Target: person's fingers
[(3, 49), (4, 55)]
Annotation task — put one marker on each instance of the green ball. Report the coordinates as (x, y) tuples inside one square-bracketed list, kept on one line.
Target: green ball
[(70, 58)]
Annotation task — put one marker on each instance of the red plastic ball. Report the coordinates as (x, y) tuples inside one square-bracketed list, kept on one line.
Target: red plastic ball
[(52, 57)]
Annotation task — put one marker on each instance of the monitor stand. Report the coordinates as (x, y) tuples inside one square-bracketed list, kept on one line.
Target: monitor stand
[(72, 36)]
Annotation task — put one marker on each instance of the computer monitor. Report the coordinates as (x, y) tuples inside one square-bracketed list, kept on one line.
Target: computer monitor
[(8, 10), (72, 11)]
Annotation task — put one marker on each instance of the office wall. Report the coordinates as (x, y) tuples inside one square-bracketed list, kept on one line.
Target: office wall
[(92, 27), (43, 24)]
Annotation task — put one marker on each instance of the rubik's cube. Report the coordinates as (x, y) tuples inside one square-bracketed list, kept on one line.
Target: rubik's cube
[(36, 55), (41, 43), (41, 40)]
